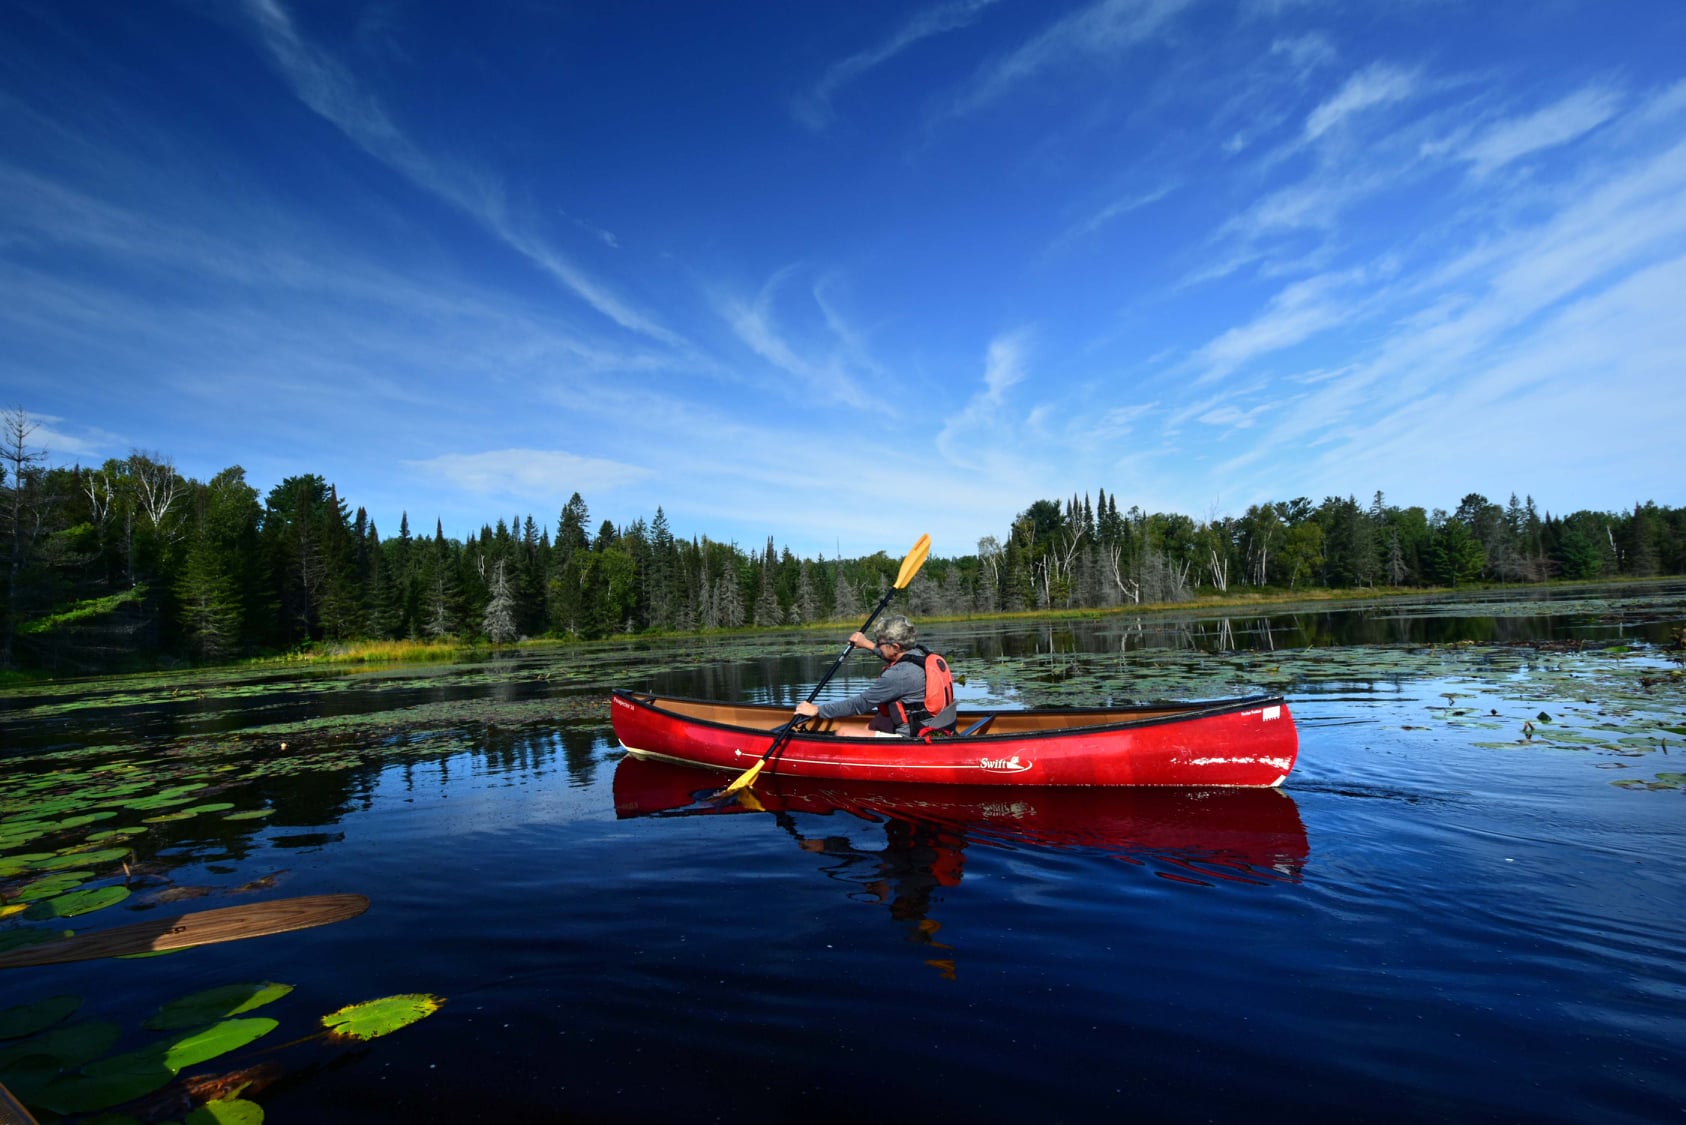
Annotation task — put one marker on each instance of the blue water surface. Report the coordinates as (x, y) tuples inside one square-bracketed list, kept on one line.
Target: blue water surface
[(1430, 922)]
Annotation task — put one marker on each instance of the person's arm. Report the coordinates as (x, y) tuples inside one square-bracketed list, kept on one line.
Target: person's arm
[(892, 685), (857, 703)]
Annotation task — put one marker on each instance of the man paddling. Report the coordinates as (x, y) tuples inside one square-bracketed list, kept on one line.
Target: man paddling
[(914, 695)]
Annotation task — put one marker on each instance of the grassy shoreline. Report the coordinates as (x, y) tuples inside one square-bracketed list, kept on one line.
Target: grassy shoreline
[(392, 653)]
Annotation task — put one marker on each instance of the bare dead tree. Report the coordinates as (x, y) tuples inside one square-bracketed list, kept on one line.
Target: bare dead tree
[(499, 620), (18, 465), (1128, 586), (97, 488), (1218, 565), (157, 485)]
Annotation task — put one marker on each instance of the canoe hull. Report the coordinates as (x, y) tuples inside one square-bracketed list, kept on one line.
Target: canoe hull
[(1248, 743)]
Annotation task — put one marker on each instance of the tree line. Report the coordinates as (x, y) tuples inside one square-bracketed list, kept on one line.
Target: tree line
[(132, 564)]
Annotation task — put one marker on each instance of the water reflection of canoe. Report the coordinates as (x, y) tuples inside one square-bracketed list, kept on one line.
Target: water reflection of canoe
[(1247, 742), (1229, 833)]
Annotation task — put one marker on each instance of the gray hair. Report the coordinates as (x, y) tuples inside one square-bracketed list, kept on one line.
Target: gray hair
[(896, 631)]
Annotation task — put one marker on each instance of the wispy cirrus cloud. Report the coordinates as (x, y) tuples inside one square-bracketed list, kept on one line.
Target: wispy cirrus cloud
[(1297, 313), (518, 471), (1100, 29), (813, 108), (830, 370), (330, 89), (982, 435), (1565, 120), (1376, 85), (1116, 209)]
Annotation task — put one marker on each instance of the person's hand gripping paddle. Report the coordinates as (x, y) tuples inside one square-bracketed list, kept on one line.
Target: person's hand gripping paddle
[(910, 567)]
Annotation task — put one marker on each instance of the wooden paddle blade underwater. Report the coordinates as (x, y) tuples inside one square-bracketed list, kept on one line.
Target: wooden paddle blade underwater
[(915, 559), (205, 927)]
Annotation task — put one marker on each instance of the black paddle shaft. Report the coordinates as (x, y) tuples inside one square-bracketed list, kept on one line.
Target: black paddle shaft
[(848, 646)]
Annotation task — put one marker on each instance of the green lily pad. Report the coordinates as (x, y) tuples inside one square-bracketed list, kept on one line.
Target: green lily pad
[(14, 865), (69, 1047), (250, 814), (73, 859), (77, 902), (215, 1003), (53, 885), (226, 1111), (27, 1019), (120, 1078), (374, 1018)]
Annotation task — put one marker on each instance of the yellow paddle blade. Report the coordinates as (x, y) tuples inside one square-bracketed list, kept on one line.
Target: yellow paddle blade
[(745, 779), (749, 800), (915, 559)]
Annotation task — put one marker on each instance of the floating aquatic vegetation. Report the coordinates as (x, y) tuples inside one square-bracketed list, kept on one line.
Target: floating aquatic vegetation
[(1675, 781), (77, 903), (116, 1079), (374, 1018), (214, 1004), (65, 1068), (27, 1019), (226, 1111)]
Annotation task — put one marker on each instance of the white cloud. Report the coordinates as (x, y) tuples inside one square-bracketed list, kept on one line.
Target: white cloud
[(1378, 84), (828, 370), (1295, 314), (1557, 124), (333, 92), (1005, 365), (814, 108), (1102, 28), (513, 472)]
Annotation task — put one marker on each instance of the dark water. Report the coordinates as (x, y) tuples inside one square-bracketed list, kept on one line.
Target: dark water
[(1437, 918)]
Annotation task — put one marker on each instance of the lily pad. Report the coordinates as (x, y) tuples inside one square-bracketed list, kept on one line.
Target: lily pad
[(215, 1003), (374, 1018), (27, 1019), (78, 902), (54, 885), (75, 859), (226, 1111), (120, 1078), (69, 1047)]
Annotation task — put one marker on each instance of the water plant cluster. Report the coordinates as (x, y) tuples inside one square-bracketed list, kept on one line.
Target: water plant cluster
[(66, 1066)]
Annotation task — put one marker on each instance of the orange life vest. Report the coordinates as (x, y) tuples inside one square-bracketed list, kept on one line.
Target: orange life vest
[(936, 714)]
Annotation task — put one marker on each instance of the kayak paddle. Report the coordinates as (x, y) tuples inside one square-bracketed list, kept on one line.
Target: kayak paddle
[(910, 567)]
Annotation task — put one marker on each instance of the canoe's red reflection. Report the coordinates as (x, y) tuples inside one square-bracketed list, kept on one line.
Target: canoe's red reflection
[(1184, 834)]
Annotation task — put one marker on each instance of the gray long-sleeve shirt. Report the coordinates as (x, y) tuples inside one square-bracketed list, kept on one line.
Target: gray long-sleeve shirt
[(904, 681)]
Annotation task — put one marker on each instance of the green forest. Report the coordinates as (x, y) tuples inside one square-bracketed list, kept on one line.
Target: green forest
[(131, 565)]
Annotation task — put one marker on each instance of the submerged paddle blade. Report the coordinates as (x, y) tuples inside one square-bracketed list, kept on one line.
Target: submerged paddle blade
[(745, 779), (915, 559)]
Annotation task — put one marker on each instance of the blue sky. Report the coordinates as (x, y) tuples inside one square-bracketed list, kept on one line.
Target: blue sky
[(845, 272)]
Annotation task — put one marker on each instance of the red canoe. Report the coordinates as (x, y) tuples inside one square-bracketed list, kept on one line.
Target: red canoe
[(1248, 743)]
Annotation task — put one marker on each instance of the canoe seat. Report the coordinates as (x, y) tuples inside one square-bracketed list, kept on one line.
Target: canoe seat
[(978, 727)]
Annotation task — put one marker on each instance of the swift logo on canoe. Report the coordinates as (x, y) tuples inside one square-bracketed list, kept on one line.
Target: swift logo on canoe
[(1004, 765)]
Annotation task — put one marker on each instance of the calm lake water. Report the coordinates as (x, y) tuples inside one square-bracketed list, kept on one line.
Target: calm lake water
[(1468, 902)]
